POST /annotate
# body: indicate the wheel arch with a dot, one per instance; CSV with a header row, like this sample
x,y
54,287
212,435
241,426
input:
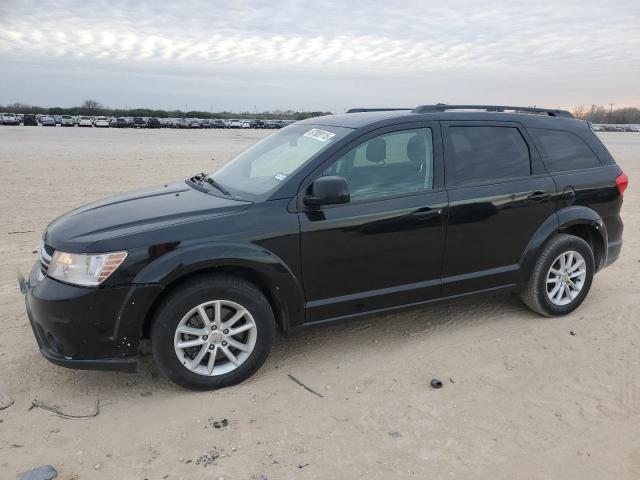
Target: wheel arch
x,y
260,267
580,221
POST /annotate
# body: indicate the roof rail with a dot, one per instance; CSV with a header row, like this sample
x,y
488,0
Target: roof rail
x,y
360,110
441,107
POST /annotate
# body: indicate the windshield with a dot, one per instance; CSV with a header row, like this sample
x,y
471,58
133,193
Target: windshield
x,y
262,167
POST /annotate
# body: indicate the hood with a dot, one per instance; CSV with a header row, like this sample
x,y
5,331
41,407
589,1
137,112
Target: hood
x,y
135,212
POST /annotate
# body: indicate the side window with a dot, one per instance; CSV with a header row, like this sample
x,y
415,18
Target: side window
x,y
477,155
563,151
391,164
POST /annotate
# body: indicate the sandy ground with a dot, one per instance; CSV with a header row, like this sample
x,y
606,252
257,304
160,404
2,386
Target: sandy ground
x,y
522,397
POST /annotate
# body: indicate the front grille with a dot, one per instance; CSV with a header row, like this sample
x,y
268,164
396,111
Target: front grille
x,y
49,249
46,254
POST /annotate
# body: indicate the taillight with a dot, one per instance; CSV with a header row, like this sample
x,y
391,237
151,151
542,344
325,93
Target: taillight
x,y
622,182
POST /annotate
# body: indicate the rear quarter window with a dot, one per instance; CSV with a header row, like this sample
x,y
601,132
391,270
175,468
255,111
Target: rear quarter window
x,y
482,155
563,151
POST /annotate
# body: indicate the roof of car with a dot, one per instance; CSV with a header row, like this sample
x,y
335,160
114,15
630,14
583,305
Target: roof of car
x,y
533,118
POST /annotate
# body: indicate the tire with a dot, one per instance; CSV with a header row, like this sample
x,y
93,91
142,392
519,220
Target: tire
x,y
180,310
539,294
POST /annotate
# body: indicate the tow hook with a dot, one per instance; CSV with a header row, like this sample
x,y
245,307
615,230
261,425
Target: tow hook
x,y
24,285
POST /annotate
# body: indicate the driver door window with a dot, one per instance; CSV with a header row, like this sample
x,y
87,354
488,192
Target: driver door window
x,y
392,164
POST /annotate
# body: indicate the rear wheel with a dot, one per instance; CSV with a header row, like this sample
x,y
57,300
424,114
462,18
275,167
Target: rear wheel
x,y
561,277
212,332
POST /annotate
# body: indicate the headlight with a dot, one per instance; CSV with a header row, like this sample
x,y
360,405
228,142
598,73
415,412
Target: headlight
x,y
86,270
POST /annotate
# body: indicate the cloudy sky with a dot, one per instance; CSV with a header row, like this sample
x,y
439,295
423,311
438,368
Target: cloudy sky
x,y
257,54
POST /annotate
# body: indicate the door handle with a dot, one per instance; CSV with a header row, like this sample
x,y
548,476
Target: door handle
x,y
568,195
539,196
425,214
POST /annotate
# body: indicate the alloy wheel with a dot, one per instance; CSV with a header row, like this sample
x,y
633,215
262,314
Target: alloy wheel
x,y
566,277
215,337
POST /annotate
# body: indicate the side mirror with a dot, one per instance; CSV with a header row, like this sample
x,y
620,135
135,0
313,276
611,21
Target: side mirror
x,y
328,191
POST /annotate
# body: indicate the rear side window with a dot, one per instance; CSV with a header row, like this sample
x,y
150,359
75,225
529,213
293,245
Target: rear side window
x,y
563,151
481,155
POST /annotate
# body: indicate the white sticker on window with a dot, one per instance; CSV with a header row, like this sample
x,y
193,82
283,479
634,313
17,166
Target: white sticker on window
x,y
279,176
319,134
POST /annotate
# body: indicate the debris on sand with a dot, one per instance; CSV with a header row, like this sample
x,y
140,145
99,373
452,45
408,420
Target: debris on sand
x,y
208,458
46,472
5,401
572,332
306,387
395,434
224,423
435,383
56,411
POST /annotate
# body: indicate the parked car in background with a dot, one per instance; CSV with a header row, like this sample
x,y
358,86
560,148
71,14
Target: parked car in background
x,y
47,121
58,119
139,122
10,119
153,123
85,122
235,123
102,122
245,124
219,124
195,123
67,121
112,122
30,120
121,122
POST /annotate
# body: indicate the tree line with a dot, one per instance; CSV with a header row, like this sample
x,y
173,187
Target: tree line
x,y
602,114
95,108
594,113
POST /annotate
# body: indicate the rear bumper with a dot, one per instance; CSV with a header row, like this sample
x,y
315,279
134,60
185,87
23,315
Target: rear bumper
x,y
613,252
614,229
87,328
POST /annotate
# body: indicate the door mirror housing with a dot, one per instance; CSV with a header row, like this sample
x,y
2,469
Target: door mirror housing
x,y
329,190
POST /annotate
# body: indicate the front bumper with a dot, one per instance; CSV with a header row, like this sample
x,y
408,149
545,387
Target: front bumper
x,y
87,328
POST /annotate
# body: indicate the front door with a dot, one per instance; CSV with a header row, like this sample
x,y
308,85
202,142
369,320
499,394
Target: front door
x,y
384,248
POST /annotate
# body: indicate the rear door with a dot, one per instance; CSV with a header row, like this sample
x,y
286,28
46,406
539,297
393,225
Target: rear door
x,y
499,194
384,248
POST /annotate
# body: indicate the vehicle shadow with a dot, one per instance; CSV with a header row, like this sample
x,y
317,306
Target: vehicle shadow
x,y
394,329
311,345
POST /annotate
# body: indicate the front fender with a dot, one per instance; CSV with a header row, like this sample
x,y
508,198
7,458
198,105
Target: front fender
x,y
283,284
562,219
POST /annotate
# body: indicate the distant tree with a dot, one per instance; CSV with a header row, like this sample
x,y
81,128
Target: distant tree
x,y
91,107
602,114
579,112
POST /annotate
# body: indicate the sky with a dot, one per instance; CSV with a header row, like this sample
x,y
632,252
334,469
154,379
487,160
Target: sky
x,y
256,55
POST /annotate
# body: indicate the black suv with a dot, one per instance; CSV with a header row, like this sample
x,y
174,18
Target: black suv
x,y
139,122
330,218
30,120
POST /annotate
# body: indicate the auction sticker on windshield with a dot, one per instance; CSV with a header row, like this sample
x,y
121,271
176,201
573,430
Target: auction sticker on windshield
x,y
319,134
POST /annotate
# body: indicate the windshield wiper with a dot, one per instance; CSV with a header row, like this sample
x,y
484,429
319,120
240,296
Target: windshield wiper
x,y
202,177
212,182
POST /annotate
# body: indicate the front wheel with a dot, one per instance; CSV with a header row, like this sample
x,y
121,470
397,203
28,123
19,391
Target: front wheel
x,y
212,332
561,277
